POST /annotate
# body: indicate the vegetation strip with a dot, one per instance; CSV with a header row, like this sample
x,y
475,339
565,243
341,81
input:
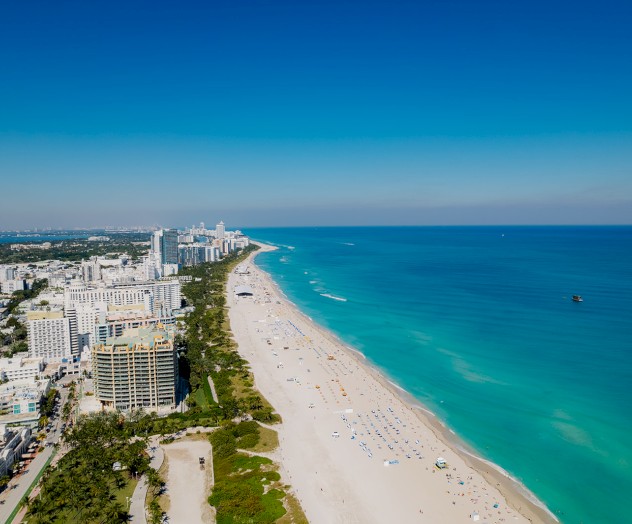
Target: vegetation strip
x,y
107,451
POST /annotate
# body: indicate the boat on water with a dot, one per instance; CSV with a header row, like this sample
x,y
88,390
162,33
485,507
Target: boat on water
x,y
577,298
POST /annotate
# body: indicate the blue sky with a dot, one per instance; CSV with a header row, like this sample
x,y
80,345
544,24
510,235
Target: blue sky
x,y
315,113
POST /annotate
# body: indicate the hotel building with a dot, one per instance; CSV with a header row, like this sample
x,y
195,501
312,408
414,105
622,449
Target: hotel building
x,y
136,370
48,335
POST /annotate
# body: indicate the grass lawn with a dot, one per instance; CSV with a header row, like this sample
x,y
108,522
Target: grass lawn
x,y
268,440
207,392
200,398
127,491
243,388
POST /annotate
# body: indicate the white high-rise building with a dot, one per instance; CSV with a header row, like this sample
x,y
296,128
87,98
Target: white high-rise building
x,y
159,297
220,230
152,267
79,293
167,296
156,241
49,336
6,273
83,318
91,270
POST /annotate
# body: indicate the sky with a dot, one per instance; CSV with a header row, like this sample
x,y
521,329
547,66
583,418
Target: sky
x,y
271,113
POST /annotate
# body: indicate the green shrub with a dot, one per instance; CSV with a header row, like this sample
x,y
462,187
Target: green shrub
x,y
248,441
249,427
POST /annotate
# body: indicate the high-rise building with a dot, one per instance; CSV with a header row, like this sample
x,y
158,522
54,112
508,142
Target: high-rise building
x,y
49,335
160,296
156,241
119,319
6,273
220,230
136,370
169,246
119,295
90,270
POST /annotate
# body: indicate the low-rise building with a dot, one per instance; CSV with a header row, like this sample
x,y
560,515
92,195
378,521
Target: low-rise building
x,y
20,400
14,442
11,286
18,368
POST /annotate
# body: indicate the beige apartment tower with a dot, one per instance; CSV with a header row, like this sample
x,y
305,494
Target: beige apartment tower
x,y
136,370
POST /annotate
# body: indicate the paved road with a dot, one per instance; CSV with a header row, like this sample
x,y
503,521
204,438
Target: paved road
x,y
137,507
18,486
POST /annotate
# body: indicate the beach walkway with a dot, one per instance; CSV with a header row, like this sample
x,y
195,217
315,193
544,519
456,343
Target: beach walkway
x,y
213,392
137,510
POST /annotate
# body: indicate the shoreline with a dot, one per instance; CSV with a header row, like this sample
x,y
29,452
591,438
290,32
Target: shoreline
x,y
516,495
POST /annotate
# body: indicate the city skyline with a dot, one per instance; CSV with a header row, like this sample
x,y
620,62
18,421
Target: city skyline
x,y
317,114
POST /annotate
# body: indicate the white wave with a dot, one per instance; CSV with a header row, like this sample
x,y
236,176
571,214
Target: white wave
x,y
333,297
397,386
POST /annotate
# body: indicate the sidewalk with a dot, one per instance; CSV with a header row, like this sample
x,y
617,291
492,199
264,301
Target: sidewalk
x,y
137,512
210,383
21,485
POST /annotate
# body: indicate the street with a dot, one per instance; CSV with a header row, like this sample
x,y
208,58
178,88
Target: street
x,y
20,484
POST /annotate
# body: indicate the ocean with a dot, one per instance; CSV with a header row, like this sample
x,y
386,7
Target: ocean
x,y
478,324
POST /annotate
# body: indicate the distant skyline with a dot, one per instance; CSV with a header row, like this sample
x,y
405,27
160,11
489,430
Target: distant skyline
x,y
315,113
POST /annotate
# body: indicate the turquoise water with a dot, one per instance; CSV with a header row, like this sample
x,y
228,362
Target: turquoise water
x,y
478,324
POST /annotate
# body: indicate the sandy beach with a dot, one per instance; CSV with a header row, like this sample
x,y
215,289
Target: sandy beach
x,y
353,447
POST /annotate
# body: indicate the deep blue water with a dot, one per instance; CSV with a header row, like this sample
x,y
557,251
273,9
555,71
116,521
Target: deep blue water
x,y
478,324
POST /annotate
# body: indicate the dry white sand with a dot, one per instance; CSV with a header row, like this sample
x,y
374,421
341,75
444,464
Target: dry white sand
x,y
381,467
187,484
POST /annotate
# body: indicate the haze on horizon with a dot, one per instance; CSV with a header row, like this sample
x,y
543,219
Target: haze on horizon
x,y
315,113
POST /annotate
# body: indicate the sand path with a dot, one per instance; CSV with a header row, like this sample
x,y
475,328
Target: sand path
x,y
188,486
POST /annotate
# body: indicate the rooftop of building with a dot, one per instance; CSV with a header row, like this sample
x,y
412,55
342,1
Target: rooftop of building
x,y
144,335
19,360
44,315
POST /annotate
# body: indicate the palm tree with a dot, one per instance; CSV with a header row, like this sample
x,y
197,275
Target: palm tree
x,y
4,480
113,513
154,481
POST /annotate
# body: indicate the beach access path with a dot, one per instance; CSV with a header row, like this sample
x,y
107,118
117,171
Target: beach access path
x,y
213,392
137,511
188,483
350,447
